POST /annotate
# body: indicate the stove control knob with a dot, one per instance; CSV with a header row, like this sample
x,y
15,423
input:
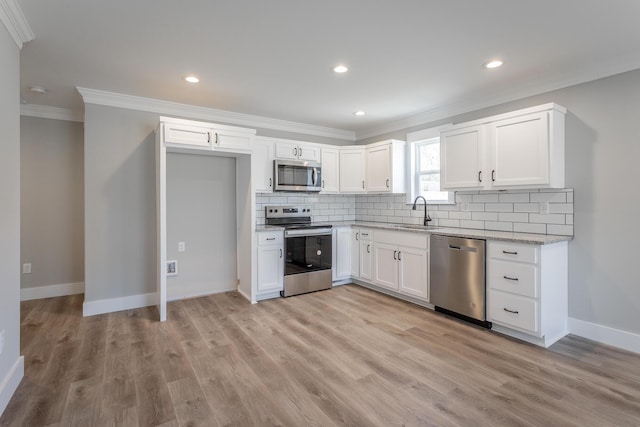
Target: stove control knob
x,y
270,210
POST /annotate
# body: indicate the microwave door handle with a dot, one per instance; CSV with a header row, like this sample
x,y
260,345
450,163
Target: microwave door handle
x,y
313,176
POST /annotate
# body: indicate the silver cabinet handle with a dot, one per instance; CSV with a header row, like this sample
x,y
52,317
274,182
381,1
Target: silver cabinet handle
x,y
280,253
515,279
510,311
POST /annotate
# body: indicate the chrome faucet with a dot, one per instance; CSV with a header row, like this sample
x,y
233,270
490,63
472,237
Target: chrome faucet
x,y
427,218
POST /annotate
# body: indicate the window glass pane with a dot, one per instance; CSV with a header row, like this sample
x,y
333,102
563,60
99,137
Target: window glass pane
x,y
429,157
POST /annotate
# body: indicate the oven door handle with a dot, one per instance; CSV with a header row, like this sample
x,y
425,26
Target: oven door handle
x,y
303,232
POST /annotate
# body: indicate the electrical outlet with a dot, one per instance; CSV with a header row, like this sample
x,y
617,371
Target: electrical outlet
x,y
172,268
544,208
1,341
26,268
181,247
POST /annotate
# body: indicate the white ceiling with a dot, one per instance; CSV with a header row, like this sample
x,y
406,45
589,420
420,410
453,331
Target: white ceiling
x,y
274,58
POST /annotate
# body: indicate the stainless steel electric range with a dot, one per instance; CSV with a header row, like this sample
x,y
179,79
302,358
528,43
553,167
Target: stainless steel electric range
x,y
308,249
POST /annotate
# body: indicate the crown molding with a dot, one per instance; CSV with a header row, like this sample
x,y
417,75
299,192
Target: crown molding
x,y
13,19
618,65
55,113
111,99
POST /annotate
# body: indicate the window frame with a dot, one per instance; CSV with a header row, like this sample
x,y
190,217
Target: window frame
x,y
414,140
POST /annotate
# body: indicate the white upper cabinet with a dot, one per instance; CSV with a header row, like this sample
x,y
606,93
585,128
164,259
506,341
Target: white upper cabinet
x,y
330,170
191,134
262,165
521,149
461,158
293,150
386,167
352,169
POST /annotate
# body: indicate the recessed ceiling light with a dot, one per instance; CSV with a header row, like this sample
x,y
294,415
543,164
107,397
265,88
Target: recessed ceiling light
x,y
38,89
340,69
495,63
192,79
360,113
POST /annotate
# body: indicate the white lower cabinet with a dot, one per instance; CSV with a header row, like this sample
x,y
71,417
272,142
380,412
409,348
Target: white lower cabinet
x,y
341,253
527,290
270,264
401,263
366,254
355,253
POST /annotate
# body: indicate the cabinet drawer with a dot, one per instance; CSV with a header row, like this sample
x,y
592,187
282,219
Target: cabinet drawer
x,y
521,279
365,234
514,311
514,252
270,237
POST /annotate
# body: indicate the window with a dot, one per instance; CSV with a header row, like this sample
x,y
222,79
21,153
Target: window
x,y
424,147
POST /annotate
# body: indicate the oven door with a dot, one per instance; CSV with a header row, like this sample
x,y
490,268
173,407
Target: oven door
x,y
297,176
307,253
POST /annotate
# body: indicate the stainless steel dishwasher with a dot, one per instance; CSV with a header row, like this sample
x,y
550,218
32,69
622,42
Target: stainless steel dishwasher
x,y
457,278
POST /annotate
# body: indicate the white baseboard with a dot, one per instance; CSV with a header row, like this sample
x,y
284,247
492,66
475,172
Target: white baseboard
x,y
247,297
10,383
622,339
197,294
51,291
91,308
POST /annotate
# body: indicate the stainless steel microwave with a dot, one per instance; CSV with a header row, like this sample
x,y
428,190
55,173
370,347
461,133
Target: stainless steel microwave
x,y
297,175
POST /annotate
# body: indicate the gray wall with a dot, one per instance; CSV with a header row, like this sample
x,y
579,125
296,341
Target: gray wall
x,y
51,201
602,152
201,211
10,206
120,210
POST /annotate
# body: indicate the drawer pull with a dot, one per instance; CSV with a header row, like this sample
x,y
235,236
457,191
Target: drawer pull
x,y
510,311
271,238
515,279
510,253
365,234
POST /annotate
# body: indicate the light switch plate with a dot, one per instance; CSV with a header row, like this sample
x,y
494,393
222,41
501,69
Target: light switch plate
x,y
26,268
181,246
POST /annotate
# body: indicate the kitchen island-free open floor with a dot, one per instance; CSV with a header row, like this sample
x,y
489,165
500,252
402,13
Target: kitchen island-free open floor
x,y
346,356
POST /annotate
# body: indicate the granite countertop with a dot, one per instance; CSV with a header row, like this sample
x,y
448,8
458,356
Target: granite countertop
x,y
538,239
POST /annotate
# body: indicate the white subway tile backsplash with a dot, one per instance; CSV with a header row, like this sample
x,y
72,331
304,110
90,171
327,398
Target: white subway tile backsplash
x,y
547,219
498,207
521,227
549,197
485,216
514,210
563,230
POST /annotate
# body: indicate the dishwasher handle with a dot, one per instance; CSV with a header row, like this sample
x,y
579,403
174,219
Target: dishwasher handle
x,y
463,248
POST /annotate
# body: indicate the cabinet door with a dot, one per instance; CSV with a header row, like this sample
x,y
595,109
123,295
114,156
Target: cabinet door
x,y
187,135
379,169
287,151
231,141
342,265
520,150
386,265
308,153
366,260
352,169
461,158
355,252
270,268
413,277
262,166
330,159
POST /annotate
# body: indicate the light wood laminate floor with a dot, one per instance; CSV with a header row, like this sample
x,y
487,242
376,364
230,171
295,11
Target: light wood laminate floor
x,y
346,356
